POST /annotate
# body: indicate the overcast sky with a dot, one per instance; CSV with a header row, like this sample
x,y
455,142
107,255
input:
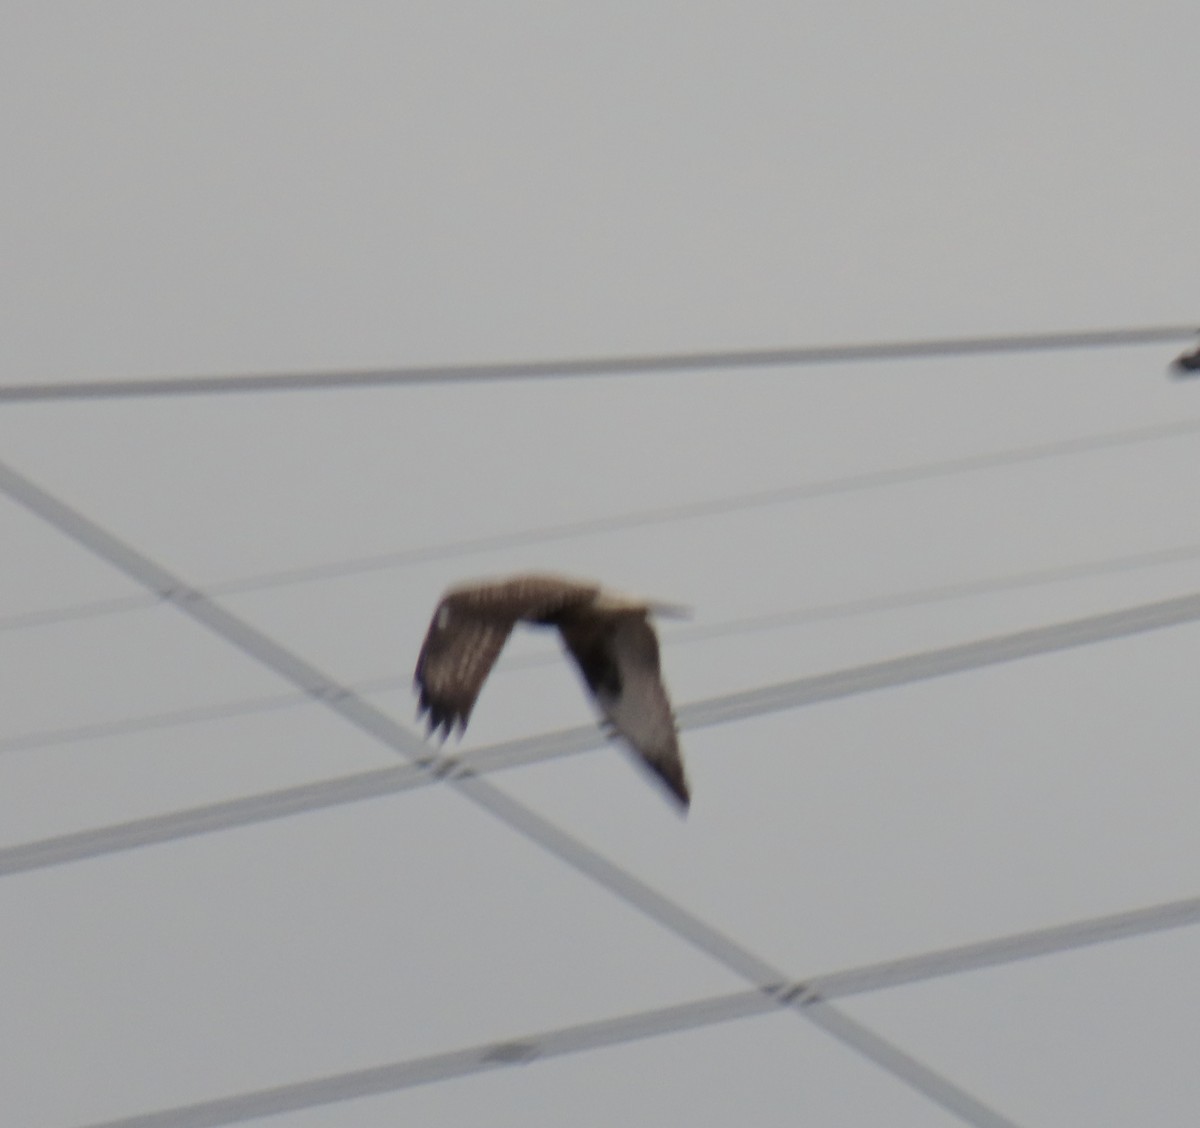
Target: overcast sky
x,y
225,189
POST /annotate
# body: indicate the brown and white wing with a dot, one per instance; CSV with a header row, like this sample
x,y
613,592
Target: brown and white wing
x,y
459,652
529,596
621,667
467,633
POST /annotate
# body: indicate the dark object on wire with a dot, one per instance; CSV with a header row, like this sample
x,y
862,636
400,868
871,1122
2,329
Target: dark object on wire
x,y
1189,362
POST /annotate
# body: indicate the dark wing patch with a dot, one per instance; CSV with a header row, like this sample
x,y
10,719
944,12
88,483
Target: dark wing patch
x,y
634,701
589,643
459,652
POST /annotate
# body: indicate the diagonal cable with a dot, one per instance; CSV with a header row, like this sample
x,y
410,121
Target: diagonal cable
x,y
718,506
586,1036
671,637
733,359
704,937
395,1077
378,1080
527,822
639,518
888,674
195,604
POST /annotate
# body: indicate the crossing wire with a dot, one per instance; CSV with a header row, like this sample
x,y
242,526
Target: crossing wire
x,y
797,692
810,995
549,534
716,507
729,360
516,815
672,637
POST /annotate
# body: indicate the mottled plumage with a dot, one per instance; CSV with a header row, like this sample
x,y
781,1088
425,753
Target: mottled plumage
x,y
609,637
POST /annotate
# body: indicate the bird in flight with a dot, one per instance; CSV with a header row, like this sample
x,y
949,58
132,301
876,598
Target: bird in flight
x,y
609,636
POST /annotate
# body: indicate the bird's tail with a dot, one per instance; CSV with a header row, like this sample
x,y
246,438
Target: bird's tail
x,y
669,610
615,602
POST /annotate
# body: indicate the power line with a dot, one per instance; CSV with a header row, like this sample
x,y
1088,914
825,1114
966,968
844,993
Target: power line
x,y
922,597
73,612
446,1066
582,1037
891,673
571,530
485,795
734,359
248,810
702,936
948,660
1005,949
195,604
148,722
673,636
715,507
887,1055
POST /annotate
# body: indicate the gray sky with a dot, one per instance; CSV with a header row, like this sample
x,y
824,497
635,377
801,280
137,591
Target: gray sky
x,y
236,188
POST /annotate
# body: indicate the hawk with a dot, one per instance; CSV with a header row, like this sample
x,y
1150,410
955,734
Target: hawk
x,y
609,636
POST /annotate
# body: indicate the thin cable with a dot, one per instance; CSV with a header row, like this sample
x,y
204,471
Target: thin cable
x,y
1008,949
672,637
603,366
195,604
393,1078
548,534
91,609
891,673
149,722
485,795
249,810
698,934
711,507
586,1036
888,1056
948,660
927,596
